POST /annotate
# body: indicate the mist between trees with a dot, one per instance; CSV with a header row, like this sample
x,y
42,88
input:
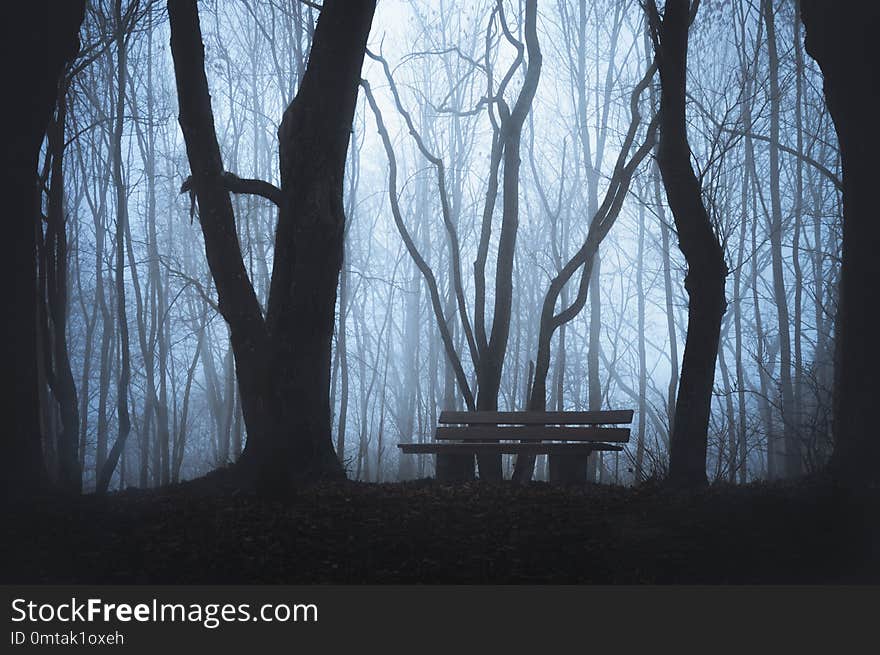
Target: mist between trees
x,y
508,241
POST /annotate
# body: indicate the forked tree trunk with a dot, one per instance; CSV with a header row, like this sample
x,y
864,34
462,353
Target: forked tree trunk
x,y
282,362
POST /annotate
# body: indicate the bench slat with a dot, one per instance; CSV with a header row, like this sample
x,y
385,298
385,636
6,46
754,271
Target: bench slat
x,y
534,433
505,448
621,416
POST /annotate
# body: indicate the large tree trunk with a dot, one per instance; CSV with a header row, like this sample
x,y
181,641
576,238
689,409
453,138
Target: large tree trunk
x,y
283,363
841,39
699,244
313,142
44,37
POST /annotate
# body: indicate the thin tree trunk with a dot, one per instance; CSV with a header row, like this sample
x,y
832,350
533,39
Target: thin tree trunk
x,y
792,457
730,417
123,420
797,383
699,244
643,366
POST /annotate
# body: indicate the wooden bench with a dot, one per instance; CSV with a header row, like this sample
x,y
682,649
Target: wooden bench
x,y
567,438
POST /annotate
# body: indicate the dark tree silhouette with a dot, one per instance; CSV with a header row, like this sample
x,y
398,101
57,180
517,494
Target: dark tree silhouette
x,y
53,283
44,38
841,40
698,242
493,347
283,359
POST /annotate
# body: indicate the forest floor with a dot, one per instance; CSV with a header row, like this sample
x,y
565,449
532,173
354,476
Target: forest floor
x,y
807,531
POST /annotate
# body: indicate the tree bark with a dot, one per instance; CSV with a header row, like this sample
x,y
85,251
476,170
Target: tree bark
x,y
313,142
840,39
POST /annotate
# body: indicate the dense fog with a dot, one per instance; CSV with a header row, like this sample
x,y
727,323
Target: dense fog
x,y
433,252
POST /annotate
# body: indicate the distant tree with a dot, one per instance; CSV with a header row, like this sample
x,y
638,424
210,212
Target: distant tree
x,y
792,458
283,359
698,242
43,39
122,22
841,38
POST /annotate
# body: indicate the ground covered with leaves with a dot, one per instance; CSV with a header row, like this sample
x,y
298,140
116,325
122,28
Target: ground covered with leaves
x,y
808,531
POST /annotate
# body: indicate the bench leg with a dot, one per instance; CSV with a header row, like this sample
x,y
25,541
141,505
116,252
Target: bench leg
x,y
455,468
568,469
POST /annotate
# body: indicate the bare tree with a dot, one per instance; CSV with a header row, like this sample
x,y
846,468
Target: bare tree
x,y
282,360
698,242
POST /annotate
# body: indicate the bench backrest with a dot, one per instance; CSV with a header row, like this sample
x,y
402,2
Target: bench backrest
x,y
611,417
534,426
